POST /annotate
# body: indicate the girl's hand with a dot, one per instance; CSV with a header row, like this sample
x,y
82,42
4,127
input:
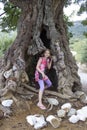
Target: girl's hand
x,y
43,75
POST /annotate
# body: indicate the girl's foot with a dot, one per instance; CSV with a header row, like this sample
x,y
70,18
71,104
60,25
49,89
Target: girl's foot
x,y
41,106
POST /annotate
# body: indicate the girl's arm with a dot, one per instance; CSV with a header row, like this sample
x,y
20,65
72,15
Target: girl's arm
x,y
38,66
49,63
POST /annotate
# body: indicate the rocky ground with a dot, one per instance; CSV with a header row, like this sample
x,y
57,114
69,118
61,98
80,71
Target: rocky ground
x,y
23,107
17,120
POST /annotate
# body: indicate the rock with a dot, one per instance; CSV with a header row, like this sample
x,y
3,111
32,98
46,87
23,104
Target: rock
x,y
8,73
52,101
83,99
66,107
71,112
61,113
54,121
74,119
7,103
38,121
78,94
82,113
31,120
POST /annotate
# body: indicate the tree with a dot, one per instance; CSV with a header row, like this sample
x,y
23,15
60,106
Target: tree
x,y
41,25
83,8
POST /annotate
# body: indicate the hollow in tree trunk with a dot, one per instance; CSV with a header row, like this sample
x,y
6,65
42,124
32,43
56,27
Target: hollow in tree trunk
x,y
41,25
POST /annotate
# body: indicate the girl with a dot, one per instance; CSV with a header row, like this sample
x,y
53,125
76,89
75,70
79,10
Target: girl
x,y
43,63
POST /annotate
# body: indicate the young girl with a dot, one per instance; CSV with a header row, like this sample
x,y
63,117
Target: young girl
x,y
43,63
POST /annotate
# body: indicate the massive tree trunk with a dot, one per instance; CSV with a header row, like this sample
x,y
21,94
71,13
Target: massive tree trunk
x,y
41,25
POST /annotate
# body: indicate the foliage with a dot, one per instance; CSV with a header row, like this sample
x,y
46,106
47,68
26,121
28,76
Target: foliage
x,y
9,21
85,34
81,48
78,42
6,40
84,22
68,25
68,2
77,30
12,13
83,7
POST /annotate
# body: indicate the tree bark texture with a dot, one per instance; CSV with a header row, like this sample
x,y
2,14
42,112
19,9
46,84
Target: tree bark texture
x,y
41,25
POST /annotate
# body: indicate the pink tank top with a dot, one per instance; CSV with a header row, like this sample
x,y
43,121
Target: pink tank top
x,y
43,66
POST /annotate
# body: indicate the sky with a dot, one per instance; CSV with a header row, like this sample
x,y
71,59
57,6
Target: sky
x,y
72,9
1,8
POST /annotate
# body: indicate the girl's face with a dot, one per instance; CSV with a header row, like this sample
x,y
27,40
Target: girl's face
x,y
47,53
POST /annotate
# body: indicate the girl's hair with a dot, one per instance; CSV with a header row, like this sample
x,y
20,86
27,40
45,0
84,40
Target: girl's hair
x,y
42,54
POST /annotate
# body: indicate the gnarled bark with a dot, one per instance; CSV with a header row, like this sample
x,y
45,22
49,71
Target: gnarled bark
x,y
41,26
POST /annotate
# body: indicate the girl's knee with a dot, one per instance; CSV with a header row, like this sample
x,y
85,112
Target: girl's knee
x,y
42,89
50,84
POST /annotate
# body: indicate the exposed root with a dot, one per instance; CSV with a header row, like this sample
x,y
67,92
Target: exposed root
x,y
10,86
63,96
50,107
7,112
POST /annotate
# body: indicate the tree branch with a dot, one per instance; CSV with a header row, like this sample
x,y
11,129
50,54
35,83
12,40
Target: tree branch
x,y
2,13
7,11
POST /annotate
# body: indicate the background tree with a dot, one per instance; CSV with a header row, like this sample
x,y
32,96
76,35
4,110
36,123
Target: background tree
x,y
79,42
83,8
41,25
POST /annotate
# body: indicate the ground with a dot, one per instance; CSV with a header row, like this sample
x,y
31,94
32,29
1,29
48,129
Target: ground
x,y
17,120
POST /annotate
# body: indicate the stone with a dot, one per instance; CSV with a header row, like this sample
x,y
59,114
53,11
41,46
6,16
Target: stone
x,y
54,121
74,119
78,94
66,107
7,103
61,113
71,112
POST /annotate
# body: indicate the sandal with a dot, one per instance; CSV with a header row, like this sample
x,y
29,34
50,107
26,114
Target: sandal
x,y
41,106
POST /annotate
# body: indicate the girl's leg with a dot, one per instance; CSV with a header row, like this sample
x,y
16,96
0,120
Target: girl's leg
x,y
48,83
41,90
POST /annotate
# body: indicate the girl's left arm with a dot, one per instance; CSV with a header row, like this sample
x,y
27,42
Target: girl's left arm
x,y
49,63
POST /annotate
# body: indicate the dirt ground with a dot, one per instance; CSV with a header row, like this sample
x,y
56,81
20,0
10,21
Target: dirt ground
x,y
23,108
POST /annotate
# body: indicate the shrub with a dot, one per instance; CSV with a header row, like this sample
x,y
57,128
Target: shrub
x,y
6,40
81,48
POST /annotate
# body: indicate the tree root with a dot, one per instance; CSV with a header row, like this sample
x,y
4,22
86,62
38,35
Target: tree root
x,y
7,112
3,91
63,96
